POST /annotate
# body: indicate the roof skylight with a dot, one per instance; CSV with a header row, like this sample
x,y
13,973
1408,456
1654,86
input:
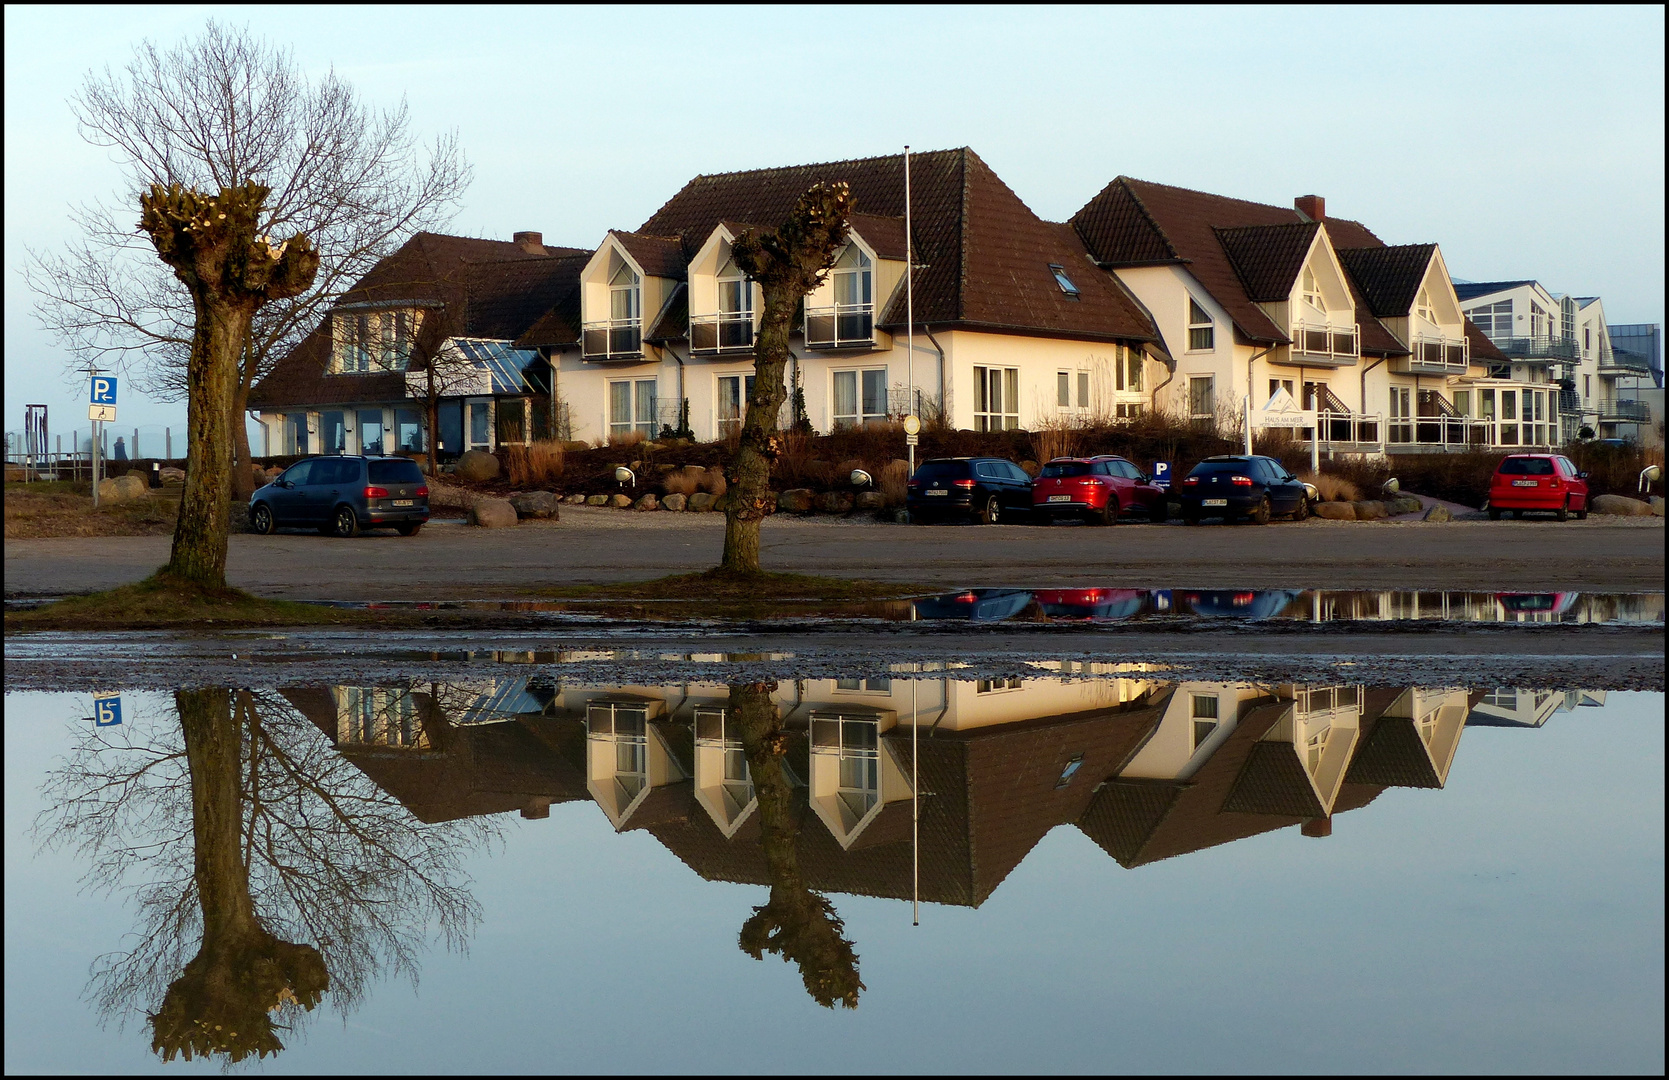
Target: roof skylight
x,y
1063,281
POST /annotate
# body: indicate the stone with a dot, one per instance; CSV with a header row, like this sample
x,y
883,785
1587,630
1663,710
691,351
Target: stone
x,y
171,475
477,465
834,502
574,500
1335,511
795,501
870,501
1439,513
1031,468
536,504
1406,504
674,502
701,502
901,516
1369,510
1657,505
597,500
121,489
647,502
1620,506
492,513
620,500
721,503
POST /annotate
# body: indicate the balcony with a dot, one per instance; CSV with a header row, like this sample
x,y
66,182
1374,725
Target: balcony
x,y
1435,356
1623,362
1539,348
612,339
1323,346
726,332
1347,428
1625,411
842,326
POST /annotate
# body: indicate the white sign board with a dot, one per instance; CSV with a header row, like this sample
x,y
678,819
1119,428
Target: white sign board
x,y
105,413
1282,411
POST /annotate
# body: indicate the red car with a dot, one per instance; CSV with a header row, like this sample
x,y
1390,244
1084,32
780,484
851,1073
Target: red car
x,y
1097,489
1538,482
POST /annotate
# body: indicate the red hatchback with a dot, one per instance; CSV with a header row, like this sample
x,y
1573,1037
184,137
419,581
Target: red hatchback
x,y
1097,489
1538,482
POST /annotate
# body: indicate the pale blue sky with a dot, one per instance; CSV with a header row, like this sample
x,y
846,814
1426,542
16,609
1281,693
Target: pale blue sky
x,y
1527,141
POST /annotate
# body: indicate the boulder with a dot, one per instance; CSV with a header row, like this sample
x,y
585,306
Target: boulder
x,y
1406,504
122,489
620,500
701,502
492,513
901,516
1369,510
870,501
647,502
171,475
1439,513
795,501
536,504
1335,511
674,502
721,503
1657,505
834,502
574,500
476,465
597,500
1619,505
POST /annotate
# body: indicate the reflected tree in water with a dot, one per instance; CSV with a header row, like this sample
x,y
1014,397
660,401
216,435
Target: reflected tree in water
x,y
242,833
796,924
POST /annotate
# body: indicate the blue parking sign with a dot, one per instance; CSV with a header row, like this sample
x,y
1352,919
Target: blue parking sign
x,y
102,390
1162,474
107,709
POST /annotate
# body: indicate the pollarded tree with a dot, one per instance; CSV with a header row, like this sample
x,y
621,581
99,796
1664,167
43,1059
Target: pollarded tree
x,y
788,263
230,270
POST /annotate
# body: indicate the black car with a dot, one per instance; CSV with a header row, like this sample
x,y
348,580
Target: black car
x,y
990,489
1240,485
342,494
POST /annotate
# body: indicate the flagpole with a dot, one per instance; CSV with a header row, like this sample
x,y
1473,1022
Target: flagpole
x,y
909,303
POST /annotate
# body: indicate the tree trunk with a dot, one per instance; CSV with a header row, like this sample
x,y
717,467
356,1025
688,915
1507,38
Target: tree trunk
x,y
200,536
749,473
243,476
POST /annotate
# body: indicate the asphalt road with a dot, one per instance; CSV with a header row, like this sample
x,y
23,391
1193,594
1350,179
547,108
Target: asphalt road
x,y
590,545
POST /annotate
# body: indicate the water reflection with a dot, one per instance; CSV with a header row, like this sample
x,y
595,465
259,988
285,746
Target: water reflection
x,y
268,870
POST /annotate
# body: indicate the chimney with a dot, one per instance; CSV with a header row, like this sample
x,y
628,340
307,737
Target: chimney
x,y
530,242
537,808
1313,207
1320,826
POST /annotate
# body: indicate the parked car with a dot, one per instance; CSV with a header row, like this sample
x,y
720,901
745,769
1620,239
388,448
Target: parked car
x,y
1238,485
1098,489
341,494
1091,603
1538,482
977,605
989,489
1237,603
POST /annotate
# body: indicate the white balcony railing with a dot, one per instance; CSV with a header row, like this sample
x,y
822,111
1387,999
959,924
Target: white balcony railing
x,y
1435,356
1346,427
612,339
840,326
729,331
1333,345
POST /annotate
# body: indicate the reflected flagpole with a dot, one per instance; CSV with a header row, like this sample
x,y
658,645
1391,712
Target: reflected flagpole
x,y
915,799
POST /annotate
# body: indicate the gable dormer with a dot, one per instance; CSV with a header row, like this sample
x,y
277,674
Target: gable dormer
x,y
1408,289
841,313
629,278
724,303
1293,275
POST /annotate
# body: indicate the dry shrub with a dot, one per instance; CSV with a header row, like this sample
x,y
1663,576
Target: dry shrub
x,y
539,463
625,438
1332,488
685,481
713,482
894,481
1055,439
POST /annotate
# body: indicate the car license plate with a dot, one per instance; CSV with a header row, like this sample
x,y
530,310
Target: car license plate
x,y
1214,502
937,491
1060,498
402,502
1524,483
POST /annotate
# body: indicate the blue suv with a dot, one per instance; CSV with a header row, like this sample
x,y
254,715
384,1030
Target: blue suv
x,y
342,494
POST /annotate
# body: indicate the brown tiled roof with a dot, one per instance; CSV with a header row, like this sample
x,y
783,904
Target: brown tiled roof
x,y
503,299
1393,755
1268,257
1273,781
1483,349
984,255
1389,277
659,256
884,234
673,320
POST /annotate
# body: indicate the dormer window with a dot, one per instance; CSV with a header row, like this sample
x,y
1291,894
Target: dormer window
x,y
1312,291
1201,330
369,342
625,294
621,334
1063,281
851,321
1423,307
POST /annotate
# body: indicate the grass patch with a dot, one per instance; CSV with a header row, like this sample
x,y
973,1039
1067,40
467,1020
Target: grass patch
x,y
62,508
720,586
162,602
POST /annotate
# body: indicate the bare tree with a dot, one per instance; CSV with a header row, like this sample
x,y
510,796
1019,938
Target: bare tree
x,y
787,263
223,111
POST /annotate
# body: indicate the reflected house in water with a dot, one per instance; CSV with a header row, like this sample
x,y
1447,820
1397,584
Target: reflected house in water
x,y
1147,769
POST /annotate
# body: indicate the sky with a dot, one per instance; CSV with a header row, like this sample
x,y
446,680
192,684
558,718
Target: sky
x,y
1527,141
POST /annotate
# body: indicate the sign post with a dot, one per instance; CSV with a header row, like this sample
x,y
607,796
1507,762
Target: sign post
x,y
1282,411
107,710
101,409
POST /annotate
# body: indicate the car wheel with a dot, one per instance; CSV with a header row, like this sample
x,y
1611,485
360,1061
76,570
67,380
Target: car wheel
x,y
1494,514
1518,515
993,512
1303,510
260,520
1190,519
345,524
1159,511
1260,516
1563,513
410,530
1582,514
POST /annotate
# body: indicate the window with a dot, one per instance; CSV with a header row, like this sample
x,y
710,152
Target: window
x,y
870,686
625,297
1202,400
857,741
1587,340
1129,373
370,431
855,409
851,321
631,407
1587,386
1072,766
396,335
295,433
408,429
372,342
1312,291
1203,706
480,425
1063,281
1463,402
992,686
735,322
996,399
335,431
1495,320
1538,320
1423,307
1277,385
734,391
1065,382
1201,332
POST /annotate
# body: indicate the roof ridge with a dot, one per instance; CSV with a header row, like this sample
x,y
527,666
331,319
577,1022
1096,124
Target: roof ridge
x,y
1219,229
962,244
823,164
1211,195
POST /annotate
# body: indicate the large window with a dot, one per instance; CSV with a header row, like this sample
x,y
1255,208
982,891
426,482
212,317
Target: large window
x,y
1538,320
734,391
857,742
1128,375
480,425
370,431
996,398
859,397
854,279
408,429
625,297
371,341
631,407
1202,334
1066,382
1202,401
1402,415
1495,320
295,433
851,321
1312,291
334,427
1423,306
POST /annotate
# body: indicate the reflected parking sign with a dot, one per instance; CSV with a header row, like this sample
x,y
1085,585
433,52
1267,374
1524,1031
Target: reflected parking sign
x,y
107,709
1162,474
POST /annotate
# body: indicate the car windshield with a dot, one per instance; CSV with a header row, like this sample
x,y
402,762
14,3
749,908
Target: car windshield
x,y
1206,468
1527,466
395,472
1066,468
942,470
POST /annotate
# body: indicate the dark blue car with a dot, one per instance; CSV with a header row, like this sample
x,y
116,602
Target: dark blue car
x,y
342,494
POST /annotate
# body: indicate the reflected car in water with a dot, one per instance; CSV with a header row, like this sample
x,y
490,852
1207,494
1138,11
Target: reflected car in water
x,y
1091,603
979,605
1537,603
1548,482
1235,603
1097,489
